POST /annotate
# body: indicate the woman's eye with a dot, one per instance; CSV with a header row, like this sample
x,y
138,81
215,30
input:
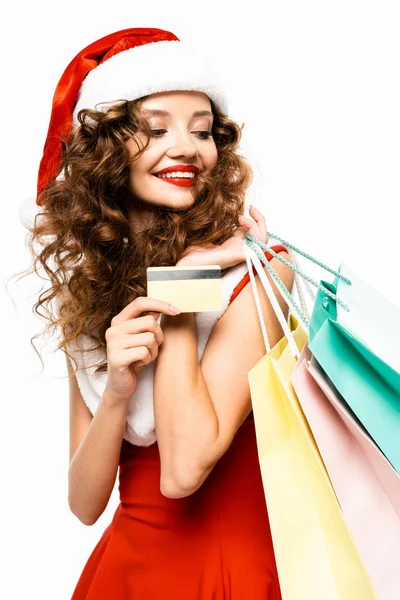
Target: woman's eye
x,y
202,134
157,132
205,134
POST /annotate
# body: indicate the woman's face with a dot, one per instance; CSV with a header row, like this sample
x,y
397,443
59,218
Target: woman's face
x,y
181,124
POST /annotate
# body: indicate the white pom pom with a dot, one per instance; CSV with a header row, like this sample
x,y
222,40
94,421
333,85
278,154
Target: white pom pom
x,y
27,211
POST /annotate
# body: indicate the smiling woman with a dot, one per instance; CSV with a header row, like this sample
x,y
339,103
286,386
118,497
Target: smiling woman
x,y
151,177
182,129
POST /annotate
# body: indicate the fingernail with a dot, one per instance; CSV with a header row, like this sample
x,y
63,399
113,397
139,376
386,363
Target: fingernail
x,y
174,309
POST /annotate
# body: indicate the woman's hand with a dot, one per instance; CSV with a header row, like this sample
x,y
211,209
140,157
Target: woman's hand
x,y
132,342
231,252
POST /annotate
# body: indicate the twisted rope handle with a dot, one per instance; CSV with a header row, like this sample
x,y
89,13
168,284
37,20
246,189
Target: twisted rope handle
x,y
252,257
309,257
281,286
254,243
247,253
298,278
299,287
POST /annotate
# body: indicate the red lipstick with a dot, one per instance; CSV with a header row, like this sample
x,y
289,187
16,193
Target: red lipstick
x,y
180,181
185,168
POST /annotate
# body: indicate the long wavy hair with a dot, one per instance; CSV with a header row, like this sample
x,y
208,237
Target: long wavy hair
x,y
94,261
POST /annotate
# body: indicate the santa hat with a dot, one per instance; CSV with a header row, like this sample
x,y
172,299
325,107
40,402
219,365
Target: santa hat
x,y
125,65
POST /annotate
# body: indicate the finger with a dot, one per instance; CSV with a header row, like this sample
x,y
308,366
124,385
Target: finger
x,y
185,262
256,212
245,221
254,228
261,221
257,215
140,325
139,306
152,347
240,231
141,340
151,313
153,350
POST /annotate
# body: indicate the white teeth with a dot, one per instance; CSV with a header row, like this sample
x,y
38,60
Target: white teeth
x,y
176,174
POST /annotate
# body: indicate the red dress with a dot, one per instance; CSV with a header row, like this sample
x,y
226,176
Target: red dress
x,y
212,545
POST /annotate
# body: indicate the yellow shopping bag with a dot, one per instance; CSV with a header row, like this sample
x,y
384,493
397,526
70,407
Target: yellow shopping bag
x,y
315,554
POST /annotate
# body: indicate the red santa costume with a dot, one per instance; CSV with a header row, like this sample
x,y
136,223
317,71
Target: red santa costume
x,y
216,543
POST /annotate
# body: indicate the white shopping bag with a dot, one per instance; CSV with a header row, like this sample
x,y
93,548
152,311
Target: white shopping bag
x,y
367,305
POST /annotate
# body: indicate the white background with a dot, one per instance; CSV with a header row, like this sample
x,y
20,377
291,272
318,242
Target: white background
x,y
316,84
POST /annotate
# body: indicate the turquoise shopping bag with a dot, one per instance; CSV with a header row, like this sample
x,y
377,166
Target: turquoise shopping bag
x,y
369,385
354,334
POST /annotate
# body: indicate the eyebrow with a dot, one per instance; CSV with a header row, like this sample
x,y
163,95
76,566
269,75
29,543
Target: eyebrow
x,y
165,113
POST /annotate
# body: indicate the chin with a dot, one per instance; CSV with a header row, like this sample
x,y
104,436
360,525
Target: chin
x,y
176,203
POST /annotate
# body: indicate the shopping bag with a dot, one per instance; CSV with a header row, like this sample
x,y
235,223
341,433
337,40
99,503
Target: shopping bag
x,y
355,336
367,381
315,553
366,485
368,306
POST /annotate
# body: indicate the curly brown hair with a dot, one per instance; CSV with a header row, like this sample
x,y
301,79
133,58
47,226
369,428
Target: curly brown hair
x,y
95,263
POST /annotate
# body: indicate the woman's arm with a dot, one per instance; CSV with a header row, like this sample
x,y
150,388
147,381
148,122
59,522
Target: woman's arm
x,y
95,445
199,407
185,418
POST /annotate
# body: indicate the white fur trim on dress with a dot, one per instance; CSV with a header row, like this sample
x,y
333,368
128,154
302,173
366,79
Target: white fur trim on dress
x,y
143,70
140,425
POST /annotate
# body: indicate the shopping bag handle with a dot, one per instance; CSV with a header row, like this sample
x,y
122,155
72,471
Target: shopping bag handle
x,y
308,256
255,244
281,286
299,282
252,258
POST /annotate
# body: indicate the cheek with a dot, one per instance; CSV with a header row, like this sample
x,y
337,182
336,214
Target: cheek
x,y
148,159
144,164
210,156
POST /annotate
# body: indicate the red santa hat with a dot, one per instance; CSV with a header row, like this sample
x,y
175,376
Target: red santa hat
x,y
125,65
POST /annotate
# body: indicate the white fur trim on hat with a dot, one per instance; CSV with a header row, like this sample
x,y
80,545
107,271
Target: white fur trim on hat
x,y
147,69
27,211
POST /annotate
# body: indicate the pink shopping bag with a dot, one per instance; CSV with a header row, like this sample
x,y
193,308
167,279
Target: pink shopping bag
x,y
365,483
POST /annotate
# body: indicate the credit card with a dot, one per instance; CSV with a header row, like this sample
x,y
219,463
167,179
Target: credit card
x,y
192,289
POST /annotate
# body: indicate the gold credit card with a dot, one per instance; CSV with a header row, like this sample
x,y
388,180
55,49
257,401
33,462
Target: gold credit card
x,y
192,289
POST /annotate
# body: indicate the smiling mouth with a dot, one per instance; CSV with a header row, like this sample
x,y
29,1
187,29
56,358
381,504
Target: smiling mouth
x,y
179,178
176,175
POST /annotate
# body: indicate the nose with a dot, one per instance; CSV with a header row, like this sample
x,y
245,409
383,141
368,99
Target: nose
x,y
183,144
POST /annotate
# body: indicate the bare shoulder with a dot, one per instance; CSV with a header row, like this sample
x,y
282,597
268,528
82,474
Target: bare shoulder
x,y
242,314
243,309
235,345
80,416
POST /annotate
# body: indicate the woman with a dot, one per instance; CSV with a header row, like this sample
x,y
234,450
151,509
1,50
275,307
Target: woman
x,y
151,177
